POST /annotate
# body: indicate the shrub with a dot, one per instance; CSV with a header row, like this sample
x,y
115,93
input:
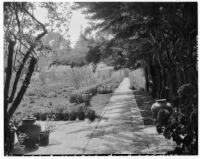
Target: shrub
x,y
76,96
182,125
81,75
37,115
104,89
43,116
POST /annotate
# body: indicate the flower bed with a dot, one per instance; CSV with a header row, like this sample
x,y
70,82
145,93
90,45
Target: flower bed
x,y
76,96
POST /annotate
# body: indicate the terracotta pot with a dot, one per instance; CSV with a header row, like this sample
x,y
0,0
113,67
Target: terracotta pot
x,y
158,105
163,116
65,116
80,114
91,115
72,115
59,116
100,89
86,97
109,89
31,129
44,138
18,150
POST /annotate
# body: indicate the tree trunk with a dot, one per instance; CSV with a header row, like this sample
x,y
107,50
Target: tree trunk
x,y
25,85
7,136
152,70
146,74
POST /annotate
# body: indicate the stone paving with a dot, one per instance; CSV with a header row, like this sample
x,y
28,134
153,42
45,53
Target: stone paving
x,y
119,131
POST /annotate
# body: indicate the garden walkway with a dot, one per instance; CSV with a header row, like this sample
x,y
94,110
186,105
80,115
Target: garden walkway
x,y
119,131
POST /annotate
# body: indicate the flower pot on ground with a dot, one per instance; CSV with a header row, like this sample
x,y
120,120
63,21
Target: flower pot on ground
x,y
50,116
18,149
80,113
29,132
91,114
44,138
44,135
65,116
72,115
59,116
158,105
86,97
59,113
108,89
163,116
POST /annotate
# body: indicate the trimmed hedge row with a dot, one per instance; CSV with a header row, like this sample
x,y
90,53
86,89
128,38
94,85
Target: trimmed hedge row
x,y
76,96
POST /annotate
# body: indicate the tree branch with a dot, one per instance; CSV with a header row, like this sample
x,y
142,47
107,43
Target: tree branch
x,y
23,88
26,57
8,72
43,27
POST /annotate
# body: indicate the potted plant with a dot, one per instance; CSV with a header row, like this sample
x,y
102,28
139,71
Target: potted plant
x,y
80,113
44,135
86,97
91,114
65,115
18,149
29,128
59,113
72,115
158,105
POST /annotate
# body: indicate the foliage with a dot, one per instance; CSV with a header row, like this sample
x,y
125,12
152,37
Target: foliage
x,y
74,57
50,127
82,76
23,33
181,126
161,38
76,96
90,114
157,36
22,137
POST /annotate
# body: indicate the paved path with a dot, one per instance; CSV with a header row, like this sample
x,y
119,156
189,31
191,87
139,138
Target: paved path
x,y
120,131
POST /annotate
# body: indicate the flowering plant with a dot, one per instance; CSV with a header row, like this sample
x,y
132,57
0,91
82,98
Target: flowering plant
x,y
50,127
22,137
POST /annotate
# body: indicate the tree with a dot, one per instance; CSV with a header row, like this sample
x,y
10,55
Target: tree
x,y
75,56
22,40
160,37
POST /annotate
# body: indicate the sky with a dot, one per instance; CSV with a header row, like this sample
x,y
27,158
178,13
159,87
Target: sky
x,y
78,23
